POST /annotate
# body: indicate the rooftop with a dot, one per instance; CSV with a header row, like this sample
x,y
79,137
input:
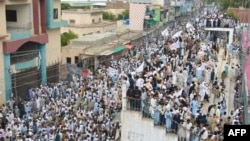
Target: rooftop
x,y
100,24
96,37
99,42
83,11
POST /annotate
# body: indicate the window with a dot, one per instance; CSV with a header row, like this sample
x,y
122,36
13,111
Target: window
x,y
76,59
71,21
93,20
55,13
11,16
68,60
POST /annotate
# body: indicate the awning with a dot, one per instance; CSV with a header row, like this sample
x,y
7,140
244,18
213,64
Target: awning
x,y
106,53
118,49
128,46
151,22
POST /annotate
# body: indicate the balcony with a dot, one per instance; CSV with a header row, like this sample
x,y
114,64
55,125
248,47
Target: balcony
x,y
18,21
18,32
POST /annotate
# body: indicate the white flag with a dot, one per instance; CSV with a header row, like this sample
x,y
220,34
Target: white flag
x,y
140,68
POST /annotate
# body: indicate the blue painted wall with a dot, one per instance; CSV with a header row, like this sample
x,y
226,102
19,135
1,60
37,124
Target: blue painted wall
x,y
7,77
42,49
20,35
26,65
51,23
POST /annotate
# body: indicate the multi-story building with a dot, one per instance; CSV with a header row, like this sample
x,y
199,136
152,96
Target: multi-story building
x,y
29,45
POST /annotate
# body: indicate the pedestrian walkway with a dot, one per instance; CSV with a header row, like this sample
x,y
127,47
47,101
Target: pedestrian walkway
x,y
229,95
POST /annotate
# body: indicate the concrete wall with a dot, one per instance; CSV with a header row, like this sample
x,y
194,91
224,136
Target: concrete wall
x,y
2,32
117,5
81,18
23,15
53,47
2,82
88,29
2,19
158,2
57,5
136,128
70,52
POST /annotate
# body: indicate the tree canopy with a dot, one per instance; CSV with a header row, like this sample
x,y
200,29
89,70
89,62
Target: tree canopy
x,y
65,6
124,14
67,36
225,4
108,16
111,16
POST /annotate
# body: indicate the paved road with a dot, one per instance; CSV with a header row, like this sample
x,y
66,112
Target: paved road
x,y
229,95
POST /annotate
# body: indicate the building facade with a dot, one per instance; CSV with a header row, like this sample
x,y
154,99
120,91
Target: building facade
x,y
84,22
29,45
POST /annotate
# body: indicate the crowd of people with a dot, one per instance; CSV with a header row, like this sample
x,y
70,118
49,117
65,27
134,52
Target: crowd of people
x,y
212,17
175,84
168,85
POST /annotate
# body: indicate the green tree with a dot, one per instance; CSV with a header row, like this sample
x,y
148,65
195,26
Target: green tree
x,y
86,7
112,16
65,6
231,14
124,13
105,15
81,7
108,16
67,36
225,4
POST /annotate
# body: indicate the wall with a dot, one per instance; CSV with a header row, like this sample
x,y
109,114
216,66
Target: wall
x,y
88,29
53,47
23,15
158,2
2,82
2,19
14,2
81,18
117,5
134,128
70,52
57,4
75,16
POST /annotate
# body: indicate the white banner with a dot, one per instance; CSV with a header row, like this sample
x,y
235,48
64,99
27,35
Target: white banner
x,y
174,46
140,68
112,71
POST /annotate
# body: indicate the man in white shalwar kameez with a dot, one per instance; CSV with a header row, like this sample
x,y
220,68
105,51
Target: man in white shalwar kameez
x,y
174,77
188,126
207,75
204,135
202,91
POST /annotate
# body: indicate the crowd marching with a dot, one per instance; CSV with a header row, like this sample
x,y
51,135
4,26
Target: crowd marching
x,y
170,84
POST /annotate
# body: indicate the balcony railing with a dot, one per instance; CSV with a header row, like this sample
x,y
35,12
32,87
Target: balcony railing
x,y
18,28
20,31
23,56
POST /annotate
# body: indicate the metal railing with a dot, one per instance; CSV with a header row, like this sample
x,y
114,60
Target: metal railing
x,y
23,56
158,117
244,99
